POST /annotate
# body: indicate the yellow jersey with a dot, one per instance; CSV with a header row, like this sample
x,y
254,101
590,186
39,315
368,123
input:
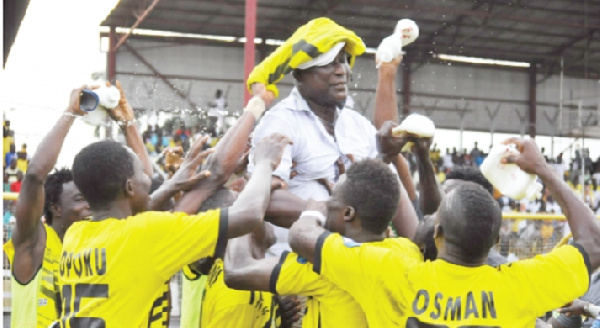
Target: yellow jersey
x,y
37,303
394,290
224,307
327,305
113,271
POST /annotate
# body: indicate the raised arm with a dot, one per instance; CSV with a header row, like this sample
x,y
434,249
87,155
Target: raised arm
x,y
249,208
386,100
223,162
123,113
29,232
583,223
430,194
406,221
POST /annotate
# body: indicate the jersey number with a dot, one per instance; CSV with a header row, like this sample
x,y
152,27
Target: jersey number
x,y
81,291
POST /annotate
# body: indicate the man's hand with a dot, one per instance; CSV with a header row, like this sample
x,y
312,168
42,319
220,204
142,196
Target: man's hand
x,y
123,112
389,68
271,149
388,145
530,158
421,146
575,309
73,107
259,89
289,307
186,177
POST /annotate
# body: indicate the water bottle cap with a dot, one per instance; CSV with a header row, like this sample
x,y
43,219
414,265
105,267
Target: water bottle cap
x,y
88,100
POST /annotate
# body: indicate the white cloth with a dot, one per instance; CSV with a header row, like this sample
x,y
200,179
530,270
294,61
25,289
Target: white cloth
x,y
218,111
313,150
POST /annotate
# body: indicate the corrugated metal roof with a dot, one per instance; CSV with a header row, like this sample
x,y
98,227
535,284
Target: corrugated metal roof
x,y
538,31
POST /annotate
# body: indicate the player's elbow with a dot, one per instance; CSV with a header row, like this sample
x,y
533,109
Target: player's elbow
x,y
231,277
295,236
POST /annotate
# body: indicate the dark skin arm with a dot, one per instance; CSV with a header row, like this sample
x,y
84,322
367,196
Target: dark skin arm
x,y
242,270
386,100
303,237
184,179
430,192
124,113
29,235
404,173
406,221
249,208
284,208
583,223
221,164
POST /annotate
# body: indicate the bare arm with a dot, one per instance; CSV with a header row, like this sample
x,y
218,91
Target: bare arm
x,y
28,234
304,235
249,208
430,195
242,271
404,174
582,221
284,208
221,164
386,100
405,221
123,113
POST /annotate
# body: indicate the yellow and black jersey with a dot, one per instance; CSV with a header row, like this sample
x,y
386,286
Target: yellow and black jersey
x,y
327,305
36,303
230,308
113,272
396,291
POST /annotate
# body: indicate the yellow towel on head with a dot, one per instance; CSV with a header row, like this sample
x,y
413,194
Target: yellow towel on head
x,y
309,41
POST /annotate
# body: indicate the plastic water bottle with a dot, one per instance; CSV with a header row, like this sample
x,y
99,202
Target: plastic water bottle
x,y
509,179
97,102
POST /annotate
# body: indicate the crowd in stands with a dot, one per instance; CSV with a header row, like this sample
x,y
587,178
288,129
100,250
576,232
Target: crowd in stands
x,y
305,213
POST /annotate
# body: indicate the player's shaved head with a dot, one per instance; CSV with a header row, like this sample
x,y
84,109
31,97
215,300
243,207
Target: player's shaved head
x,y
470,219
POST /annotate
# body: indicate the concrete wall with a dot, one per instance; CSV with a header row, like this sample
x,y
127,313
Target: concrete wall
x,y
437,89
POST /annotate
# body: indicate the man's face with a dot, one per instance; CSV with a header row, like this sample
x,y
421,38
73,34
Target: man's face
x,y
327,85
336,209
73,206
141,184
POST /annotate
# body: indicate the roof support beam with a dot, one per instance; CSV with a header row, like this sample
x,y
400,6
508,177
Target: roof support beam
x,y
140,18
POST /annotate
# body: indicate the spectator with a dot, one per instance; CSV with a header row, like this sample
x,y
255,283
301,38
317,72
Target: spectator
x,y
23,159
7,138
10,155
12,170
448,164
217,111
16,186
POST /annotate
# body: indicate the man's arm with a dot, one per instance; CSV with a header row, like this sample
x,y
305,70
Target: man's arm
x,y
249,208
304,236
30,204
123,113
430,194
242,271
284,208
223,162
386,100
582,221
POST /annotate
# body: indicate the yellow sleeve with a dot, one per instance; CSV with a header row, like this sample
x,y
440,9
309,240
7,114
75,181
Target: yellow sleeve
x,y
9,250
177,239
293,275
551,280
190,274
355,267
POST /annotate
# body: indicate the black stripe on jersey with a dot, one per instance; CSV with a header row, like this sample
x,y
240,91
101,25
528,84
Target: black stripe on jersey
x,y
251,297
156,304
222,238
318,251
586,258
275,273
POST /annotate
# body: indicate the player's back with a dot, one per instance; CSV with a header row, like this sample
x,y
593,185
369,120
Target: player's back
x,y
111,271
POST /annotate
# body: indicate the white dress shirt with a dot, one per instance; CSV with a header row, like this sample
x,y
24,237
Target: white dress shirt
x,y
314,150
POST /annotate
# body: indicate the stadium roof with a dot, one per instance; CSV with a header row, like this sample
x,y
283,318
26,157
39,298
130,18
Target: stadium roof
x,y
539,31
